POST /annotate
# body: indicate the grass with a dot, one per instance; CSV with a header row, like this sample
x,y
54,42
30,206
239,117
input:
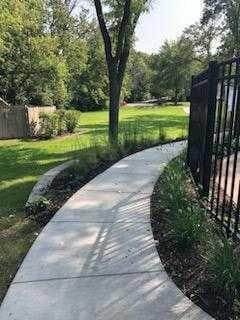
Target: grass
x,y
185,217
22,161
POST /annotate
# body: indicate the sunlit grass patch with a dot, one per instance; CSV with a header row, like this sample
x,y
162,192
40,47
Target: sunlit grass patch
x,y
23,161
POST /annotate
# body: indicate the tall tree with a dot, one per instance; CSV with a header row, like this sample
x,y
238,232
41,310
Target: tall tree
x,y
202,36
139,74
174,66
227,13
117,26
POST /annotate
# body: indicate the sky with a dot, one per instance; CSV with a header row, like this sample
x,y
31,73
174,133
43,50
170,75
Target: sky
x,y
165,21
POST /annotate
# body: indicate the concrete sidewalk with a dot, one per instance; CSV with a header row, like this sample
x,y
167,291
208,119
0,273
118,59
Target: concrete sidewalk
x,y
97,259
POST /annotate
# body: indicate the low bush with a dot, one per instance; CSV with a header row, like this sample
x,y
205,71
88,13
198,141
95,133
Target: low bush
x,y
71,120
39,205
49,124
40,211
61,126
59,122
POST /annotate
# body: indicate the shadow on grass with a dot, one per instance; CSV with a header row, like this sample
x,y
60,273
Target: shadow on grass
x,y
146,123
21,165
19,174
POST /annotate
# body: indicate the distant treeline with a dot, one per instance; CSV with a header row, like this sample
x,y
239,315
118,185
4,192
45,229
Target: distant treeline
x,y
51,53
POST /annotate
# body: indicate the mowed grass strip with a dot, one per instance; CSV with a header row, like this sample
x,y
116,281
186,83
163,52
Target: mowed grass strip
x,y
23,161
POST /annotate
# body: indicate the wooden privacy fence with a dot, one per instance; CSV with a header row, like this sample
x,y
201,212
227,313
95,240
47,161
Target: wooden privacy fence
x,y
213,146
20,121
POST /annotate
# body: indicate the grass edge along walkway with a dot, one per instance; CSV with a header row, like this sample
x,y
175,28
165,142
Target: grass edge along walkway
x,y
102,260
21,162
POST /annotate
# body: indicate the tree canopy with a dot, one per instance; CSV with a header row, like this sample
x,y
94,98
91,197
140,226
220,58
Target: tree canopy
x,y
226,13
46,54
174,66
55,52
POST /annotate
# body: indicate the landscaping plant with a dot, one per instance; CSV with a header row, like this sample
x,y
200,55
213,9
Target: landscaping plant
x,y
184,217
49,124
200,259
71,118
61,113
223,259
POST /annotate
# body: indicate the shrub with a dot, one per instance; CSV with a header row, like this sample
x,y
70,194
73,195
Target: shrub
x,y
71,120
41,204
41,210
49,124
61,126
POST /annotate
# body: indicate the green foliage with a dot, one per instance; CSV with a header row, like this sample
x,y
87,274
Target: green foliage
x,y
202,37
194,233
162,134
31,69
186,227
39,205
53,124
173,67
48,55
139,74
51,56
49,124
71,118
225,13
114,15
61,125
184,216
88,92
223,261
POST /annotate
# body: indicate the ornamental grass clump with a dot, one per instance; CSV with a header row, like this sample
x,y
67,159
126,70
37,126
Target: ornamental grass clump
x,y
162,134
184,217
186,227
223,260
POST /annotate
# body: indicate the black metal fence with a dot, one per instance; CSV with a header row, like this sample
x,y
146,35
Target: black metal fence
x,y
213,146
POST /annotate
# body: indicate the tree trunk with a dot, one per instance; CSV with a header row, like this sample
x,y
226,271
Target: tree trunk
x,y
114,95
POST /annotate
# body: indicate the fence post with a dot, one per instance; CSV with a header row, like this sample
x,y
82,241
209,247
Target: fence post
x,y
210,126
190,127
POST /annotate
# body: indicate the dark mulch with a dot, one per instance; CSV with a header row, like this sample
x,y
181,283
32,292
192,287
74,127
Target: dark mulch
x,y
188,271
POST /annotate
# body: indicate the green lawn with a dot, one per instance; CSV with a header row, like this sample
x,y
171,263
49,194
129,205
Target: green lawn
x,y
23,161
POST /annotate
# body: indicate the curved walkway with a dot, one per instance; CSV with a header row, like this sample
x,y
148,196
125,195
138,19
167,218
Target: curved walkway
x,y
96,259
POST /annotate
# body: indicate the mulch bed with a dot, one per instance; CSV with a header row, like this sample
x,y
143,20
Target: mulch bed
x,y
188,271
